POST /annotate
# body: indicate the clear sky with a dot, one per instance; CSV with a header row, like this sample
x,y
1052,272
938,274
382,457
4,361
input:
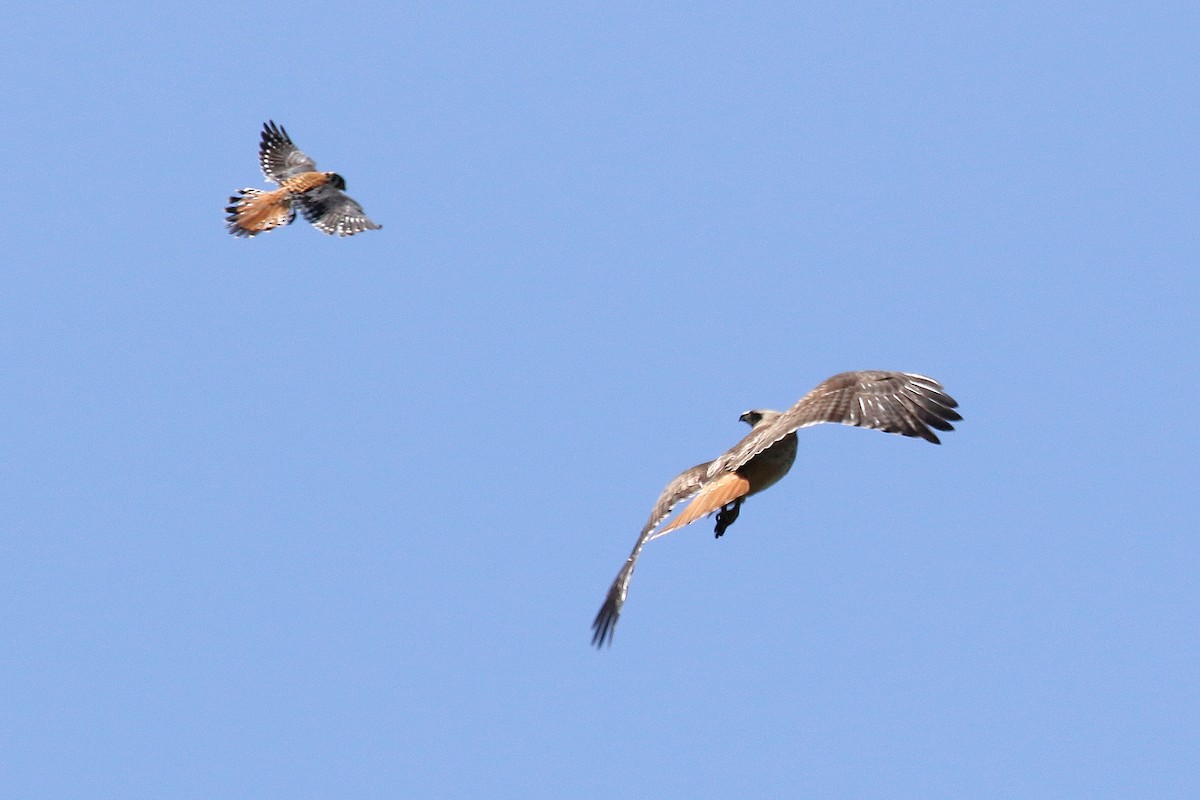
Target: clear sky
x,y
313,517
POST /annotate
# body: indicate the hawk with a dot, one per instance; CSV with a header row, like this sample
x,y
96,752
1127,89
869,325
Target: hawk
x,y
892,402
319,195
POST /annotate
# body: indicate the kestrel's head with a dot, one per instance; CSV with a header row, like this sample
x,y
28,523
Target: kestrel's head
x,y
337,181
758,416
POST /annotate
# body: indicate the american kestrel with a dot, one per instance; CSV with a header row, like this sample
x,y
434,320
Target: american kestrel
x,y
892,402
319,195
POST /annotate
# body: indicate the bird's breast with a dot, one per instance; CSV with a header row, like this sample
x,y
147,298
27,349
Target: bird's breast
x,y
766,468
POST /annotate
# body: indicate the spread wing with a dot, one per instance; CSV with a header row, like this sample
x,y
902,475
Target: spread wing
x,y
333,211
279,158
684,486
892,402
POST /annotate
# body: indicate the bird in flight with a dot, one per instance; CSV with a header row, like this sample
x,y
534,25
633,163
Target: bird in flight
x,y
892,402
319,195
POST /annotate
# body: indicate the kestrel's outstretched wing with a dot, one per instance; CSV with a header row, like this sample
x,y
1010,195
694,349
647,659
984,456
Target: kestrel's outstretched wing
x,y
893,402
333,211
279,158
684,486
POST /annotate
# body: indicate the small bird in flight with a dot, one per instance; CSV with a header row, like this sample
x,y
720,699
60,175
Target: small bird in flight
x,y
892,402
318,194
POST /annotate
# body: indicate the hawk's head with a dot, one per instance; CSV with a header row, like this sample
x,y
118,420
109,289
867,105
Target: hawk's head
x,y
758,416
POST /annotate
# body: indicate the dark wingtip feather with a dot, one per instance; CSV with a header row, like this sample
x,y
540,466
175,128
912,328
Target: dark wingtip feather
x,y
605,623
273,133
940,423
606,618
931,407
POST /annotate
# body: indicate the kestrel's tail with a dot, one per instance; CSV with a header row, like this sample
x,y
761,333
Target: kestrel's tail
x,y
252,211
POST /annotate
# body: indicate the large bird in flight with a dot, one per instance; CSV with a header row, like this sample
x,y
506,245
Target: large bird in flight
x,y
892,402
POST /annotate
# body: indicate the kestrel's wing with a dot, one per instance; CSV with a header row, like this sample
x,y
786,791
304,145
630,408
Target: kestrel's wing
x,y
333,211
893,402
686,485
279,158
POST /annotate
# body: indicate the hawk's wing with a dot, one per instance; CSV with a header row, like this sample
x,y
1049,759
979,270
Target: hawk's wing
x,y
279,158
333,211
893,402
684,486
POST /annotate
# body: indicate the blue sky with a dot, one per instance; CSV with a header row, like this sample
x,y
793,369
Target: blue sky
x,y
313,517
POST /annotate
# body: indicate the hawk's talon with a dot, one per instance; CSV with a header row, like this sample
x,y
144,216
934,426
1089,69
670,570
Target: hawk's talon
x,y
727,516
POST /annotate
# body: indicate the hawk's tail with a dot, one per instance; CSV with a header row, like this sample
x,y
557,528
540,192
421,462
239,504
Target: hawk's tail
x,y
252,211
721,492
